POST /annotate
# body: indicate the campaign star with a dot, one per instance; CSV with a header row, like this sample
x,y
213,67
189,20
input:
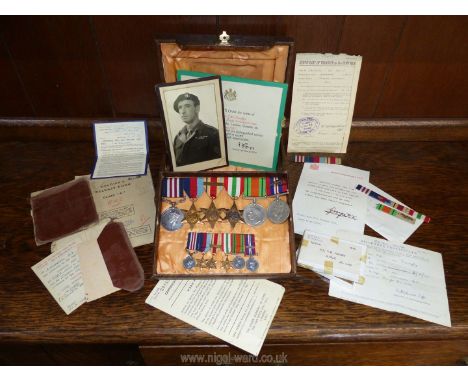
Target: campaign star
x,y
211,214
201,263
211,263
226,264
191,216
233,215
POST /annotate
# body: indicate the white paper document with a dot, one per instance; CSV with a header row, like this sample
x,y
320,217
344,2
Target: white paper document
x,y
90,233
332,255
390,227
323,99
399,278
239,312
253,112
121,149
325,202
129,201
61,275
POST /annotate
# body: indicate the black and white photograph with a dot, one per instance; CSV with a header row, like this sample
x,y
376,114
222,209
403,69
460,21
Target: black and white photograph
x,y
193,119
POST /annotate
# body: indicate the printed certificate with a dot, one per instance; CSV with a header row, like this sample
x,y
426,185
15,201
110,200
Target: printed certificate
x,y
322,105
253,112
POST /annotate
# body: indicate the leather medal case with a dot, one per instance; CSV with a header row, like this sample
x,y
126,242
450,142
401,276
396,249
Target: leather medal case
x,y
268,59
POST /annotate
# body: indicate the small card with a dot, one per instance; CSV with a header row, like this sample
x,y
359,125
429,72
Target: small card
x,y
237,311
61,274
332,255
392,224
253,112
121,149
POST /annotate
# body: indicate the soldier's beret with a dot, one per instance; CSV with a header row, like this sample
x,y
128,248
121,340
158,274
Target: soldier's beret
x,y
186,97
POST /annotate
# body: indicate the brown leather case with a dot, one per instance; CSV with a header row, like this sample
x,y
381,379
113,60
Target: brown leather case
x,y
256,57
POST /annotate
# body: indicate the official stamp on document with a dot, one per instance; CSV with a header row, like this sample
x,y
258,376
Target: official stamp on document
x,y
307,125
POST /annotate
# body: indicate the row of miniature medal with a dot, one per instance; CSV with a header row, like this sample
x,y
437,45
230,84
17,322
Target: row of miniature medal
x,y
249,187
235,244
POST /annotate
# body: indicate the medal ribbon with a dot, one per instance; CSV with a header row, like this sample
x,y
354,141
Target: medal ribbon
x,y
275,185
249,245
172,187
193,187
255,186
234,185
192,241
217,239
212,186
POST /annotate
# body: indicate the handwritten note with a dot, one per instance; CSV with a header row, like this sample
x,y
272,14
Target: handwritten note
x,y
323,98
399,278
325,203
237,311
121,149
60,273
332,255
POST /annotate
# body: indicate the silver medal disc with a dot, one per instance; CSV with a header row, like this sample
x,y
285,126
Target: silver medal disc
x,y
238,262
278,211
189,262
254,214
171,219
252,264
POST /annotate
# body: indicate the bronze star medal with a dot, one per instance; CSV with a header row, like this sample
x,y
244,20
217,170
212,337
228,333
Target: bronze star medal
x,y
226,264
212,214
191,216
233,215
211,263
201,263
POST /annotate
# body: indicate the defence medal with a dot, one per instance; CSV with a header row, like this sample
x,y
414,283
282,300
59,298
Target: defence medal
x,y
251,264
193,187
172,218
235,187
278,210
237,246
254,214
212,213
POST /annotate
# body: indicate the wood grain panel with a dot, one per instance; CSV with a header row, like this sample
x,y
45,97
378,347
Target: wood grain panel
x,y
311,33
334,354
56,58
375,38
13,100
128,54
428,77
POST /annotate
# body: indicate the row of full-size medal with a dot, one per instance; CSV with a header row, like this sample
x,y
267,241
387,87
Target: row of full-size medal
x,y
238,245
252,188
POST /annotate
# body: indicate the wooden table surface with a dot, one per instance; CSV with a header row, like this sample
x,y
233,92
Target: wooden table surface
x,y
429,176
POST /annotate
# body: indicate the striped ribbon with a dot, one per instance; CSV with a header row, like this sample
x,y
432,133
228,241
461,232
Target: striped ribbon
x,y
238,243
193,187
213,185
173,187
234,185
216,242
255,186
397,206
396,213
275,186
316,159
199,241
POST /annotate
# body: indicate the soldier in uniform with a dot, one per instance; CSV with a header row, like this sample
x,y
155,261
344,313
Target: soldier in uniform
x,y
196,141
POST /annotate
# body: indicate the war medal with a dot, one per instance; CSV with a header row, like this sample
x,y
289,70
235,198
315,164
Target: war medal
x,y
237,247
211,213
193,187
254,214
171,218
235,187
216,239
278,210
